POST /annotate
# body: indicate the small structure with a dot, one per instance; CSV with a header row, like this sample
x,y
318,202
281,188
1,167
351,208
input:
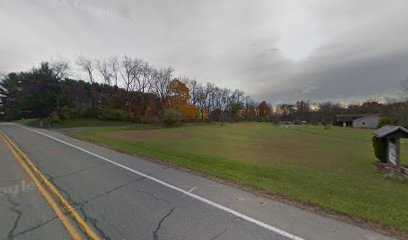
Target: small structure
x,y
367,122
358,120
392,135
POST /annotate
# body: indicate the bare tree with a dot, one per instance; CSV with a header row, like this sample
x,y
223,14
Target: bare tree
x,y
213,96
60,68
237,98
114,68
145,77
103,67
201,95
161,81
87,65
127,73
194,88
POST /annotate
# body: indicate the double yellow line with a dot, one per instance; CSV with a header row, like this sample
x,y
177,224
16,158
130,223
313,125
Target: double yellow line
x,y
51,194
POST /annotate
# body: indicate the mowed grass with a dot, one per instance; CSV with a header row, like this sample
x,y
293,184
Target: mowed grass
x,y
331,169
89,122
74,123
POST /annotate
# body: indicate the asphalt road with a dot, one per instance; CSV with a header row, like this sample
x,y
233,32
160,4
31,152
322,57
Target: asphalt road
x,y
126,197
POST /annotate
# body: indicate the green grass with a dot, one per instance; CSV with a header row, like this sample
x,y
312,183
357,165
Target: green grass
x,y
27,121
86,122
332,169
73,123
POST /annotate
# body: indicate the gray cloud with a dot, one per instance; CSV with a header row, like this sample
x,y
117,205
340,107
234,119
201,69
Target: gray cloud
x,y
278,50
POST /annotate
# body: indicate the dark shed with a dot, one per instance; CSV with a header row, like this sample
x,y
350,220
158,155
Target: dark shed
x,y
392,135
391,131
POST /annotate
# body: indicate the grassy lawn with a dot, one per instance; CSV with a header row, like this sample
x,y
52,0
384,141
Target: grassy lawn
x,y
72,123
27,121
332,169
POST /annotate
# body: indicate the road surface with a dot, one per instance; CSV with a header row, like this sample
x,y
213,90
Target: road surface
x,y
119,196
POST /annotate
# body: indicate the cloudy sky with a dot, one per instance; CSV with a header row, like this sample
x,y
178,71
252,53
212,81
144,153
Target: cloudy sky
x,y
278,50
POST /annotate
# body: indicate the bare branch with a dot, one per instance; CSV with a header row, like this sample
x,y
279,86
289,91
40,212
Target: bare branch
x,y
86,65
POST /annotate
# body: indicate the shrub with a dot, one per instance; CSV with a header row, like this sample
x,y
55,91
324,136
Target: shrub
x,y
147,117
262,119
380,148
327,126
54,118
115,115
384,121
171,117
89,113
68,113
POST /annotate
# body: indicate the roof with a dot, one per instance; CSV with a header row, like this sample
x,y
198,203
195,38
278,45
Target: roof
x,y
389,130
367,117
351,117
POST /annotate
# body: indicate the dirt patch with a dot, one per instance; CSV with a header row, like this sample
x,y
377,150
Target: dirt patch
x,y
389,170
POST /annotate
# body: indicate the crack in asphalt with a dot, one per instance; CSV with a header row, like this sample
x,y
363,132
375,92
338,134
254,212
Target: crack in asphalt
x,y
78,171
156,231
36,227
234,220
110,191
19,213
220,234
87,218
153,196
80,206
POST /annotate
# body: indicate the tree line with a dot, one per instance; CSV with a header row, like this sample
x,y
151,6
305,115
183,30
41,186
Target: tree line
x,y
116,88
325,113
131,89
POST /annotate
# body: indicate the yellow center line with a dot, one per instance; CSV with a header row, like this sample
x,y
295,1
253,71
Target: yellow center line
x,y
67,224
33,171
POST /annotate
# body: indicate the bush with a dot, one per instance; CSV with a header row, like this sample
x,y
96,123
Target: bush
x,y
384,121
54,118
115,115
327,126
89,113
147,117
262,119
380,148
171,117
68,113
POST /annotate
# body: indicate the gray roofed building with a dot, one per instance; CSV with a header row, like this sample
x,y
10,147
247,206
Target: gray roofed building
x,y
367,122
358,120
390,130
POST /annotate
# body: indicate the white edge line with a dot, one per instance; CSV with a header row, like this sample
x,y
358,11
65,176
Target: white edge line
x,y
204,200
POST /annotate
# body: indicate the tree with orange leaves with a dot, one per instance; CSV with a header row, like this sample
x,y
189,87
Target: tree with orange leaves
x,y
179,94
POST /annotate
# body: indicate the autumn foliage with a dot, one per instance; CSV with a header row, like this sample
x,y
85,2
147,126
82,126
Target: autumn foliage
x,y
178,96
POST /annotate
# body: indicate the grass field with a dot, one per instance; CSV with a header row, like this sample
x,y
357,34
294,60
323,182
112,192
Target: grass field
x,y
73,123
332,169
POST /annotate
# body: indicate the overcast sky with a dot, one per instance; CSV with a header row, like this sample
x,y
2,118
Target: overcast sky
x,y
284,50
